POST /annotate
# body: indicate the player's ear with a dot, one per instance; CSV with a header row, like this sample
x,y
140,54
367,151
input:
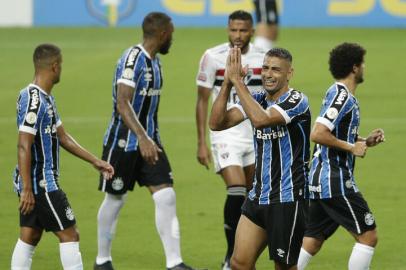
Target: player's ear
x,y
355,68
290,73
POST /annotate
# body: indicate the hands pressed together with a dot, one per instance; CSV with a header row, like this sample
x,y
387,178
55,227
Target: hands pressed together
x,y
234,70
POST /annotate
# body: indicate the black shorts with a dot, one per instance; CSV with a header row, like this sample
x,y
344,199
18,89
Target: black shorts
x,y
284,224
266,11
323,216
52,212
130,167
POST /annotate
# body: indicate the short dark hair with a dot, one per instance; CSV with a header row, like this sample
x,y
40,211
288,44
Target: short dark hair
x,y
343,58
154,22
280,53
240,15
45,54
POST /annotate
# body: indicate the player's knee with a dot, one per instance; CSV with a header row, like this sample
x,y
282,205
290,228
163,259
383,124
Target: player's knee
x,y
369,238
32,238
165,197
312,245
239,264
69,235
119,200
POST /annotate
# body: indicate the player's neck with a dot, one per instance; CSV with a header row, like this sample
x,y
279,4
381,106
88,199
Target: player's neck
x,y
151,47
44,83
275,96
350,84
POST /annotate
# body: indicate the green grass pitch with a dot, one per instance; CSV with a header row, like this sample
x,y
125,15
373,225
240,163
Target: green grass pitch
x,y
84,102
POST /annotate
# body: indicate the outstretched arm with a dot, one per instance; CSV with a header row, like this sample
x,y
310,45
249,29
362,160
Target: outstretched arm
x,y
322,135
70,145
149,150
27,201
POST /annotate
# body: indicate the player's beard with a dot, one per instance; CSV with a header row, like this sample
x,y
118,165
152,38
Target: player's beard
x,y
165,47
243,47
57,79
359,79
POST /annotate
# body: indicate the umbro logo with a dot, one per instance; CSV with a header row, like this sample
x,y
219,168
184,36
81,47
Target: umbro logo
x,y
281,252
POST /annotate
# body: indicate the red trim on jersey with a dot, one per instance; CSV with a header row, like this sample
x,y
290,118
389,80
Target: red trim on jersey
x,y
220,72
255,71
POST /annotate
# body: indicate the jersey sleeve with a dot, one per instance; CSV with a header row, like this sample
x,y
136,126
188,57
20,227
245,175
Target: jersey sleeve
x,y
295,104
258,96
29,111
207,71
130,70
334,107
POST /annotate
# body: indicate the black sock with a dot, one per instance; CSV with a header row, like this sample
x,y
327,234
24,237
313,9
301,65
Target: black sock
x,y
232,212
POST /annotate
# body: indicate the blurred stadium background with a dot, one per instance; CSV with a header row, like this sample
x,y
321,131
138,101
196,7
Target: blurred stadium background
x,y
91,43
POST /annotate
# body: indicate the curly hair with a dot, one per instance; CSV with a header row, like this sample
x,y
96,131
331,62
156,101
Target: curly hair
x,y
343,58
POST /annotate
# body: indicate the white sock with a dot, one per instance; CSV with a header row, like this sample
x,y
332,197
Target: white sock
x,y
361,257
70,256
264,43
106,225
304,259
22,256
167,225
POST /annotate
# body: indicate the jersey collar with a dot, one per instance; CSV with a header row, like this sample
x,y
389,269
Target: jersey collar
x,y
39,88
343,85
144,51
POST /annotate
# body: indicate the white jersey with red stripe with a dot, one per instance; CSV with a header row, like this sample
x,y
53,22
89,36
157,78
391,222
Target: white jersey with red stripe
x,y
211,75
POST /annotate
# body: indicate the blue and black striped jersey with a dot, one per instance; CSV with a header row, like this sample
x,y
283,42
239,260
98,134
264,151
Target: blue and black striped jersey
x,y
136,69
37,114
282,151
331,172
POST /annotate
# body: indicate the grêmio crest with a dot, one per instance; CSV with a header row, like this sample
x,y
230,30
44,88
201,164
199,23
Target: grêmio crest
x,y
110,12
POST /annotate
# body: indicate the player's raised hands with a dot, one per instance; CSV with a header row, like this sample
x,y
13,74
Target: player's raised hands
x,y
27,201
149,150
234,71
376,137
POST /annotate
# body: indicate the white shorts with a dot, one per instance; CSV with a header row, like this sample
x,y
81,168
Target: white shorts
x,y
228,154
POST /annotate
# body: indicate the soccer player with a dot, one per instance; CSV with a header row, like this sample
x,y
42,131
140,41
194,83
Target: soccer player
x,y
334,196
267,23
43,204
132,143
233,149
272,215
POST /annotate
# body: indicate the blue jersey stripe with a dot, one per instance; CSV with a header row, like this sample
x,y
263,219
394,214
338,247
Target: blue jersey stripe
x,y
286,164
335,175
266,187
38,115
282,151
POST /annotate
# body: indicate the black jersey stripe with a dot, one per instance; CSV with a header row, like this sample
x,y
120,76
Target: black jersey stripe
x,y
339,100
147,99
33,106
132,57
